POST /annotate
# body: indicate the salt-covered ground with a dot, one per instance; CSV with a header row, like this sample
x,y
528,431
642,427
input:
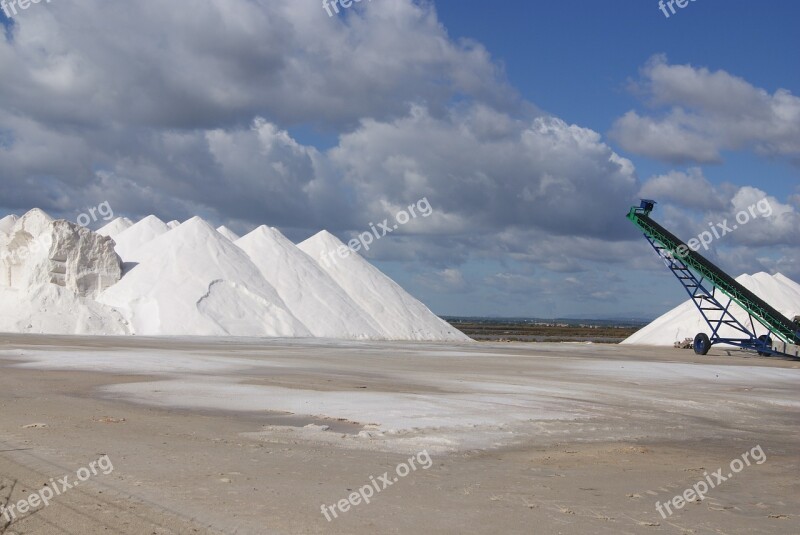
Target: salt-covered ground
x,y
253,436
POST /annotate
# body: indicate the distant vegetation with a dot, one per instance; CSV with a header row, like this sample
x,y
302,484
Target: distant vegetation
x,y
541,330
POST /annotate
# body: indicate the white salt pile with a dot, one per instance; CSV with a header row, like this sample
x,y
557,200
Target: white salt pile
x,y
228,233
50,274
40,251
399,315
113,229
310,293
194,281
191,279
685,321
130,240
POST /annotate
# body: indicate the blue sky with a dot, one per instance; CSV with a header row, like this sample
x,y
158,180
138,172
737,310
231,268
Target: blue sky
x,y
573,58
530,127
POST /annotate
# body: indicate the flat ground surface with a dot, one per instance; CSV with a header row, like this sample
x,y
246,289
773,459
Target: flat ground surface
x,y
253,436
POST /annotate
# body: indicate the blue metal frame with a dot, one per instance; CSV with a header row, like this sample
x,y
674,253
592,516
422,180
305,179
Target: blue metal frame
x,y
707,303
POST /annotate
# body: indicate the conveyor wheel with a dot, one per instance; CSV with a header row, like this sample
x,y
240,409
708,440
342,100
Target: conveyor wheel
x,y
702,344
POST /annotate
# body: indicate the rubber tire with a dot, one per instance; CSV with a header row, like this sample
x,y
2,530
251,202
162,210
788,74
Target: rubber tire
x,y
767,341
702,344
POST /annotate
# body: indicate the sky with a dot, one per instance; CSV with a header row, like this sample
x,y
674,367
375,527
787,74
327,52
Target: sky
x,y
529,128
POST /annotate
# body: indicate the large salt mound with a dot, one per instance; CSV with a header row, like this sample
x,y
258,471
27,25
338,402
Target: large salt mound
x,y
189,279
113,229
40,251
193,281
49,273
308,291
401,316
132,239
685,321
